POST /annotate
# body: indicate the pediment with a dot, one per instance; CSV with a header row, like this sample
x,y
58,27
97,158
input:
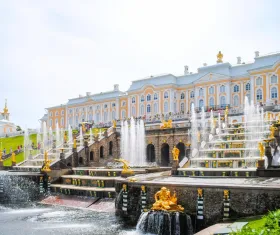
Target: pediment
x,y
212,77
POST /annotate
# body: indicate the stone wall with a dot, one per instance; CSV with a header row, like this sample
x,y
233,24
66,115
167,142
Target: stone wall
x,y
243,201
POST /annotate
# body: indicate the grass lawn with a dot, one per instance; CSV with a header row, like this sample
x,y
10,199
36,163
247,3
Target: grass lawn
x,y
14,142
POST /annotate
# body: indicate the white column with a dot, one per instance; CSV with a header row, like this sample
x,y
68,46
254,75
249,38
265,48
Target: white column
x,y
196,94
217,95
252,90
117,108
159,102
267,98
228,93
242,94
171,100
186,100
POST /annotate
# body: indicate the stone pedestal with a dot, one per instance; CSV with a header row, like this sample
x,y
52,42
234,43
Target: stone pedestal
x,y
14,163
261,164
75,159
175,166
268,155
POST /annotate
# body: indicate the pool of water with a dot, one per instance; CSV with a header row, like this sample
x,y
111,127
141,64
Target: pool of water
x,y
36,219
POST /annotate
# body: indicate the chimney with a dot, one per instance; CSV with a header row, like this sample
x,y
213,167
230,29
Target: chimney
x,y
186,70
88,93
238,60
116,87
257,54
205,64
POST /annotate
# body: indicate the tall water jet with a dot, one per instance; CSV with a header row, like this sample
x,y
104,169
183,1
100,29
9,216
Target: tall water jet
x,y
81,137
26,144
70,134
203,124
45,136
90,136
50,138
194,133
57,135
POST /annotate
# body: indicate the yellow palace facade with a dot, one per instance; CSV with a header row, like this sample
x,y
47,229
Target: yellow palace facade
x,y
212,86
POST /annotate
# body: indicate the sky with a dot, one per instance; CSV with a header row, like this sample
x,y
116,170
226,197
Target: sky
x,y
54,50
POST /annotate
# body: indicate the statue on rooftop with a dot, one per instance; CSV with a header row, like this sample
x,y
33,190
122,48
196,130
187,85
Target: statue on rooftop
x,y
220,57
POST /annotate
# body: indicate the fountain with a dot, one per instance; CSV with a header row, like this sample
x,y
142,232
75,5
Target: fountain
x,y
133,142
70,134
57,135
26,144
81,137
90,135
194,133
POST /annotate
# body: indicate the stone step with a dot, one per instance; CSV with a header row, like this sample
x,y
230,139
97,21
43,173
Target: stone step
x,y
84,191
91,181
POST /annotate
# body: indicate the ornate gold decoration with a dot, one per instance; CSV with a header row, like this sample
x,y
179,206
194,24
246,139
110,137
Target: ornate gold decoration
x,y
262,150
132,180
175,153
200,192
83,128
226,112
114,124
126,167
14,157
143,188
124,187
166,125
226,194
6,107
65,137
220,57
75,143
272,131
166,202
47,162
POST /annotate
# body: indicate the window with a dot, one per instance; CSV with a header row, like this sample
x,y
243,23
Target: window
x,y
105,116
223,101
133,111
182,96
175,95
133,100
83,118
273,92
83,109
222,89
149,97
50,122
192,105
105,106
70,120
259,81
192,94
211,90
56,113
236,88
166,107
148,108
166,95
90,117
182,107
50,114
62,121
142,110
123,103
201,92
155,96
259,94
123,114
175,108
77,120
56,121
113,105
235,100
113,115
62,112
90,108
97,117
142,98
211,102
155,108
201,103
248,87
77,110
273,79
98,107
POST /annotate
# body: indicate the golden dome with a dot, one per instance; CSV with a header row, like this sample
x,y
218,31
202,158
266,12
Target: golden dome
x,y
6,107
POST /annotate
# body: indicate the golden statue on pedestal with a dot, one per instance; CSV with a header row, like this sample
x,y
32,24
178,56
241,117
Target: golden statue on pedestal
x,y
262,150
83,128
65,137
166,202
114,124
47,163
175,153
75,143
272,131
14,157
126,168
226,113
220,57
166,125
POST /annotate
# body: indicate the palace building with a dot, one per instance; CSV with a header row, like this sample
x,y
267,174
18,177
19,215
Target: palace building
x,y
211,87
6,126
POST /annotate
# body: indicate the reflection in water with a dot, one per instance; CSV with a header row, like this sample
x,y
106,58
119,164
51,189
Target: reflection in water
x,y
44,220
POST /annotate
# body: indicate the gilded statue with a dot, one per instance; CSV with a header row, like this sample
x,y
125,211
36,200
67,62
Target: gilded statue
x,y
65,137
200,192
83,128
220,57
126,168
166,125
143,188
175,153
262,149
114,124
272,131
74,143
14,157
226,112
124,187
47,162
226,194
166,202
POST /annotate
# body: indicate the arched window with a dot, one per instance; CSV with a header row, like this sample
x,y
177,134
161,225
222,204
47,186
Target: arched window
x,y
123,114
259,94
148,108
182,96
222,89
236,88
166,107
192,105
62,121
211,102
56,113
149,97
113,105
155,108
105,106
142,110
97,108
182,107
201,103
273,79
235,100
273,92
223,101
248,87
201,92
259,81
123,103
133,100
133,111
105,116
155,96
56,121
211,90
50,122
70,120
62,112
142,98
77,120
90,117
166,95
113,115
192,94
50,114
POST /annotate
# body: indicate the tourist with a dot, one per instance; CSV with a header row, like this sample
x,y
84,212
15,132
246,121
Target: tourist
x,y
4,151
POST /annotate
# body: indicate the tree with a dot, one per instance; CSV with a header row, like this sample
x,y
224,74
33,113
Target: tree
x,y
19,128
